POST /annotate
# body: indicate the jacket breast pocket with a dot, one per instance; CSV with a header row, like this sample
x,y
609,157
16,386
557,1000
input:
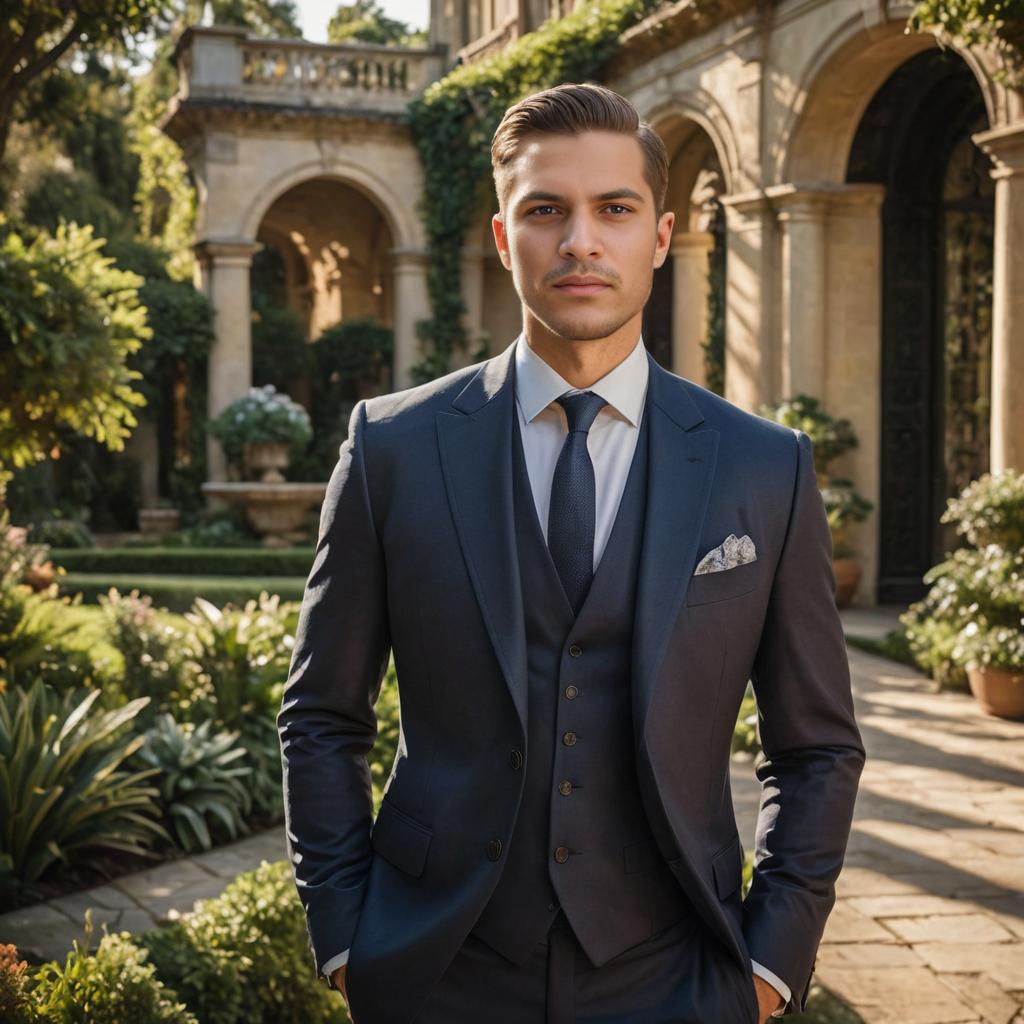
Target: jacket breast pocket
x,y
400,840
727,868
707,587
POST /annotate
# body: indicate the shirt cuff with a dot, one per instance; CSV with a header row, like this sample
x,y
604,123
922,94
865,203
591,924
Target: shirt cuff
x,y
334,963
774,980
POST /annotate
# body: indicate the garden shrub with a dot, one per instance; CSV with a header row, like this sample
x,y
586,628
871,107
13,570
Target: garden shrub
x,y
65,792
113,986
16,1003
201,780
185,561
243,958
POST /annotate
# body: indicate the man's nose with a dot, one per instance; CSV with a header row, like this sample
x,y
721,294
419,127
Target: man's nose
x,y
581,239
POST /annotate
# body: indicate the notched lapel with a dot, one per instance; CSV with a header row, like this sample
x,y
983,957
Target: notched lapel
x,y
475,443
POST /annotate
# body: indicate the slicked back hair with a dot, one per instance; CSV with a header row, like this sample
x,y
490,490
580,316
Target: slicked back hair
x,y
570,109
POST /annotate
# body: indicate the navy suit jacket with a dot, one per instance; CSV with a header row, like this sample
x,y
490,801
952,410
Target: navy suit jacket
x,y
416,555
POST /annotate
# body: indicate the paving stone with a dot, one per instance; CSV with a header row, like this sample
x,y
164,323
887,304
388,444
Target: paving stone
x,y
846,925
182,900
102,897
857,881
884,955
944,927
161,882
39,930
1002,962
917,904
985,996
910,995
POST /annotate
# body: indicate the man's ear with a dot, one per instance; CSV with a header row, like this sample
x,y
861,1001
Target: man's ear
x,y
500,240
664,237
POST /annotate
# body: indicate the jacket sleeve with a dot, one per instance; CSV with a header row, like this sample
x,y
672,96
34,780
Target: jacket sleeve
x,y
327,722
813,754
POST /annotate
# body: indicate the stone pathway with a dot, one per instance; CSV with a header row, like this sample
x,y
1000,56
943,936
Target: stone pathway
x,y
928,926
139,901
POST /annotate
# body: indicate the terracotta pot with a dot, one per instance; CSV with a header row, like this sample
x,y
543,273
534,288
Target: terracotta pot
x,y
848,573
998,691
270,457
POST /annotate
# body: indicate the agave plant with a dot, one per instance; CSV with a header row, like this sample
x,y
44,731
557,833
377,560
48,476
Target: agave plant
x,y
202,779
65,791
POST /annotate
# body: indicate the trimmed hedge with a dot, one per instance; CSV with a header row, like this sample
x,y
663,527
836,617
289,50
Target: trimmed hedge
x,y
156,561
176,593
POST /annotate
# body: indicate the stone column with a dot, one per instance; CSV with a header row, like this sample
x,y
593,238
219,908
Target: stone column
x,y
749,337
224,269
473,297
412,303
691,284
1005,145
803,326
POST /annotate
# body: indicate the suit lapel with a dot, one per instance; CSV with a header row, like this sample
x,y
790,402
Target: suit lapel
x,y
475,443
681,467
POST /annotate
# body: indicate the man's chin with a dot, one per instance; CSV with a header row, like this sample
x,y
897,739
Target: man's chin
x,y
582,328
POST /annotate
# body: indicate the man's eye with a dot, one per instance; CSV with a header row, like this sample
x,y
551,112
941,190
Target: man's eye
x,y
618,206
536,209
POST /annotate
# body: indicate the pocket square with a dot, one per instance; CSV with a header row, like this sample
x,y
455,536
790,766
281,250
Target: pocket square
x,y
731,552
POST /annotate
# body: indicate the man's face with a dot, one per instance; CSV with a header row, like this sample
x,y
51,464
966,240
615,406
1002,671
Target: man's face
x,y
580,206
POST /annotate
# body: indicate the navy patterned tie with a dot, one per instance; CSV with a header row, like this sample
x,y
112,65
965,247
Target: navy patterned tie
x,y
571,515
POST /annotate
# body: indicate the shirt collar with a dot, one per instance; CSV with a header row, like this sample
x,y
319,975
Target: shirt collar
x,y
623,388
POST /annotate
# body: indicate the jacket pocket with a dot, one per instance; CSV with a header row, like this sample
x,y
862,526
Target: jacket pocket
x,y
400,840
727,867
706,587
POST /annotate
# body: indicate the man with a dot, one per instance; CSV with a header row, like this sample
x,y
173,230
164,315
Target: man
x,y
578,560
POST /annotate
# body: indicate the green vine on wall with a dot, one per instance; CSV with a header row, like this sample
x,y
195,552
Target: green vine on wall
x,y
452,124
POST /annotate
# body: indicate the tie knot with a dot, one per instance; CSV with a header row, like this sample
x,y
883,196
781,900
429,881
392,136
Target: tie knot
x,y
581,409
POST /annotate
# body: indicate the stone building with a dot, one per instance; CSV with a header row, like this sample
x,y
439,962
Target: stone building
x,y
849,197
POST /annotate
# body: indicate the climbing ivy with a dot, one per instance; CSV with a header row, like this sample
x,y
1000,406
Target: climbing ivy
x,y
452,124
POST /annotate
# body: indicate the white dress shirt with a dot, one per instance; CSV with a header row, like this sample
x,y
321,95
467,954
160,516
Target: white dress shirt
x,y
610,442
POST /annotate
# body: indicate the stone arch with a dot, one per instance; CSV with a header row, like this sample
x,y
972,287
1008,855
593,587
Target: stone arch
x,y
402,223
838,83
670,117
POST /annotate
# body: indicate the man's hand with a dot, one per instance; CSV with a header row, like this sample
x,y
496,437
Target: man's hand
x,y
338,978
768,999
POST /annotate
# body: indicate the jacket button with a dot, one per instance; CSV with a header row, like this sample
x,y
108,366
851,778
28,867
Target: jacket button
x,y
575,650
561,854
571,692
569,739
494,849
516,759
565,787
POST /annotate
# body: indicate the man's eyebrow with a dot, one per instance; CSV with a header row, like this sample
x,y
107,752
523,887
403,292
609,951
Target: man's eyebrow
x,y
603,197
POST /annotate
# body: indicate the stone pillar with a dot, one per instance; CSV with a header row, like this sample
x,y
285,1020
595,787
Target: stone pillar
x,y
473,297
1005,145
803,326
224,268
691,284
749,335
412,303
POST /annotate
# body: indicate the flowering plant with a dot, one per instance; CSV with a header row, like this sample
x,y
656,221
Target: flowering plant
x,y
263,415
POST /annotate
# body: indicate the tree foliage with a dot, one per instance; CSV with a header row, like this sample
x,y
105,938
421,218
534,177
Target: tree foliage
x,y
365,21
69,319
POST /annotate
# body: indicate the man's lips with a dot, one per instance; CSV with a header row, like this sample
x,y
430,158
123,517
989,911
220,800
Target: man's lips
x,y
582,287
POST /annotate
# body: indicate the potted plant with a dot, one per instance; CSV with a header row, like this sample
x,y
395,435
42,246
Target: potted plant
x,y
259,431
976,601
832,436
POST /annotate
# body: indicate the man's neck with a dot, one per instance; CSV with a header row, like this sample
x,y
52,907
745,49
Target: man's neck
x,y
582,363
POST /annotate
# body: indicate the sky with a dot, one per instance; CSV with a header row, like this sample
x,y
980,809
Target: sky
x,y
314,15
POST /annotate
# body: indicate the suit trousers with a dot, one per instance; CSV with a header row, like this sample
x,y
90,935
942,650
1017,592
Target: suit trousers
x,y
681,975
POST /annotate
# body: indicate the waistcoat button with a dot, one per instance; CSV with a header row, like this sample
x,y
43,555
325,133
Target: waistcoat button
x,y
571,692
575,651
561,854
494,849
516,759
569,739
565,787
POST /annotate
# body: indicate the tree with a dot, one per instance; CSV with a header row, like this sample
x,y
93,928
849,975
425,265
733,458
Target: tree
x,y
364,21
69,319
35,34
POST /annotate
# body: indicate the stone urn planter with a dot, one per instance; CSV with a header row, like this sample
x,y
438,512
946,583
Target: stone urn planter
x,y
848,573
268,458
998,691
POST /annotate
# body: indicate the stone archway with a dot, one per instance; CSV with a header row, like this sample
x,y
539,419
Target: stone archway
x,y
683,314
